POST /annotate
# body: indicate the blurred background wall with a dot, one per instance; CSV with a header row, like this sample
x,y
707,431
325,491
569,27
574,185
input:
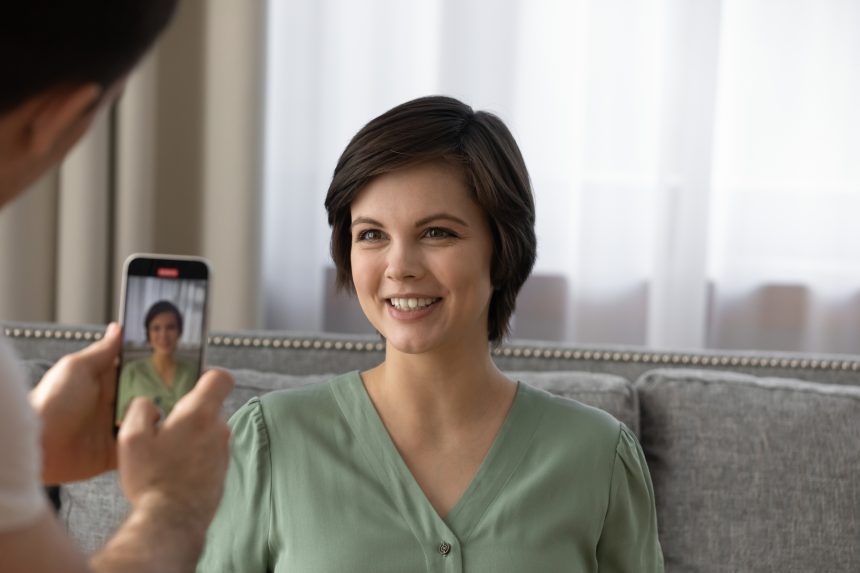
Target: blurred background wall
x,y
173,168
695,164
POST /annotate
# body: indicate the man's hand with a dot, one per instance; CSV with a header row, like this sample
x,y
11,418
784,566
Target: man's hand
x,y
183,461
173,475
75,402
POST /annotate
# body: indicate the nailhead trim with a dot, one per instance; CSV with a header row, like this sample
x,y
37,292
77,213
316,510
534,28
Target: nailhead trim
x,y
642,357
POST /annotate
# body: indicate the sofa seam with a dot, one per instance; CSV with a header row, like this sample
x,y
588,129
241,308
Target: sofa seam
x,y
639,357
646,380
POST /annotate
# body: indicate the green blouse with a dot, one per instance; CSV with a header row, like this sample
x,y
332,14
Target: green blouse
x,y
140,378
315,484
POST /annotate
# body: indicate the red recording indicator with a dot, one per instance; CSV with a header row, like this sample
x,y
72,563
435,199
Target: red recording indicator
x,y
168,273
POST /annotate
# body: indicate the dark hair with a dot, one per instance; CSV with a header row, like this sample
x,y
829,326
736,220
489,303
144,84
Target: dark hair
x,y
47,43
161,307
439,128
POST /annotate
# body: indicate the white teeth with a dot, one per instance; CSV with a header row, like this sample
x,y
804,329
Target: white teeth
x,y
411,303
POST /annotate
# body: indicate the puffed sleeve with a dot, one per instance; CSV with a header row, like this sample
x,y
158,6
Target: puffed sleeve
x,y
238,539
628,542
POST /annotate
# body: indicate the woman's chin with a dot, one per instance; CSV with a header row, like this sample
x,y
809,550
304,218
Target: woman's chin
x,y
413,349
412,343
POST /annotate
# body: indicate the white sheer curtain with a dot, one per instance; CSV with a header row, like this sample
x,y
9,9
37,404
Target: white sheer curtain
x,y
785,242
645,127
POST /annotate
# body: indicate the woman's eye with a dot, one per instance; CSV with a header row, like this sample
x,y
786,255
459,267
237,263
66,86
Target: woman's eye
x,y
369,235
437,233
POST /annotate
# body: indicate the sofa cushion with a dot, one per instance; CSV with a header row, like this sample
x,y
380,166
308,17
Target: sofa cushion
x,y
753,474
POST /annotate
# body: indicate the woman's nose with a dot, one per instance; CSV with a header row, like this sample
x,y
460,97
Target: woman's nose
x,y
403,263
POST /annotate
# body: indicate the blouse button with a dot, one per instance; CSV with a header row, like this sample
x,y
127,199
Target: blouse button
x,y
444,548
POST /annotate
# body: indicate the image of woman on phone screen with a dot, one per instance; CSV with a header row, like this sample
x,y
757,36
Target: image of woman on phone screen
x,y
433,460
162,376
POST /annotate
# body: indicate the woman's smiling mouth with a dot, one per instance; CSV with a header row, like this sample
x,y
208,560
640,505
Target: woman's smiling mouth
x,y
411,304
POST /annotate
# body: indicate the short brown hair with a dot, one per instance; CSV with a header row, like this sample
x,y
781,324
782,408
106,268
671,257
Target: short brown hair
x,y
439,128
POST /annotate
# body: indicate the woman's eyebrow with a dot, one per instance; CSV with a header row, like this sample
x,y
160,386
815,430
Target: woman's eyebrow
x,y
364,220
438,216
418,223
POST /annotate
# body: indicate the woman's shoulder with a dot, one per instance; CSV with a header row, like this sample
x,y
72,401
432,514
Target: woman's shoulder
x,y
566,417
287,421
315,391
309,404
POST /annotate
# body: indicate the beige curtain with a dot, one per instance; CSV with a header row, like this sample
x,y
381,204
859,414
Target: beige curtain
x,y
174,168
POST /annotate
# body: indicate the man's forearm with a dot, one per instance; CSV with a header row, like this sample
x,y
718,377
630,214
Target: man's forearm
x,y
158,537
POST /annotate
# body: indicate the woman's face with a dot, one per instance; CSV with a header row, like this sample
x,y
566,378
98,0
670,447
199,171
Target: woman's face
x,y
421,250
163,333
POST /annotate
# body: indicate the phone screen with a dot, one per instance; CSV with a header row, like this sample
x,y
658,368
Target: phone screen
x,y
164,330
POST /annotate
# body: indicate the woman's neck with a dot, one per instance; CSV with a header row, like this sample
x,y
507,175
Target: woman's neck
x,y
438,392
163,362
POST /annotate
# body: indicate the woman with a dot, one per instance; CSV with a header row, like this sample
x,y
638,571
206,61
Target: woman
x,y
161,376
434,460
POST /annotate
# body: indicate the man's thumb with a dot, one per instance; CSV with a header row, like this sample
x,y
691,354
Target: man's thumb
x,y
102,353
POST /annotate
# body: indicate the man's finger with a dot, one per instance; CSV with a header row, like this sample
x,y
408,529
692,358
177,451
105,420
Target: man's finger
x,y
214,386
206,398
102,353
140,418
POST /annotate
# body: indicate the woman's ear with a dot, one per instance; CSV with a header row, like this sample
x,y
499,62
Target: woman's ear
x,y
62,111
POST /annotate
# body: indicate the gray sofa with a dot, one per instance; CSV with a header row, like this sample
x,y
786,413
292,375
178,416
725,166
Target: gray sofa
x,y
755,457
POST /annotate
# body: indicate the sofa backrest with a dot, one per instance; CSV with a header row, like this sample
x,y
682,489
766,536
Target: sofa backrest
x,y
302,353
751,473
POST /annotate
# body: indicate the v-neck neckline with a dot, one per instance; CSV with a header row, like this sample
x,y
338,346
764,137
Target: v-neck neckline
x,y
154,370
501,460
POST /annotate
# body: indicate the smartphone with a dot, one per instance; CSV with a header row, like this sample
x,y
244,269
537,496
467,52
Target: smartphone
x,y
164,316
